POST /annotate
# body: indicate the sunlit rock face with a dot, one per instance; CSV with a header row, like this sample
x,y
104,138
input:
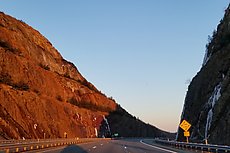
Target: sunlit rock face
x,y
44,96
207,103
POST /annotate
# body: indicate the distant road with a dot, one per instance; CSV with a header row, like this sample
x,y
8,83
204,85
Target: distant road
x,y
111,146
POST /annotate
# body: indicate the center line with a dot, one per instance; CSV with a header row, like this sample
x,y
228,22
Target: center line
x,y
94,147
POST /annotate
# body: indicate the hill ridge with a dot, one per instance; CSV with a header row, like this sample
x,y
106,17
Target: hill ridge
x,y
44,96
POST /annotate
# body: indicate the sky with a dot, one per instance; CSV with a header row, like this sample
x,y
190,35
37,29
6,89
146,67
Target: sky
x,y
143,53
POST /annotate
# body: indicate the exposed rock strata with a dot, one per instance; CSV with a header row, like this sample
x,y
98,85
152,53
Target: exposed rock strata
x,y
207,105
43,95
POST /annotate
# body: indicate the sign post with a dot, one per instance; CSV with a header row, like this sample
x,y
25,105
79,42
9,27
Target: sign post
x,y
185,125
187,134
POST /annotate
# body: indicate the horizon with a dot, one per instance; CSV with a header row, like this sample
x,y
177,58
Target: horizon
x,y
128,50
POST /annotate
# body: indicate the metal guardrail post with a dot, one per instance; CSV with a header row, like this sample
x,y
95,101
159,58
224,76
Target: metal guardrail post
x,y
202,147
26,145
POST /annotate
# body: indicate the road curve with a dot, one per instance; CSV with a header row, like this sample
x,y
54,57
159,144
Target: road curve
x,y
111,146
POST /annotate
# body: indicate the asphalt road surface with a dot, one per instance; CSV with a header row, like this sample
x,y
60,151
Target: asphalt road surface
x,y
112,146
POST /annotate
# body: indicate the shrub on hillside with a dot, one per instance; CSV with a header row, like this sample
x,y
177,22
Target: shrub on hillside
x,y
59,98
5,78
46,67
89,105
67,75
8,47
21,86
37,91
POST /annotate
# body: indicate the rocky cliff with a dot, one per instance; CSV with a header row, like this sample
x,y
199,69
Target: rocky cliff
x,y
44,96
207,105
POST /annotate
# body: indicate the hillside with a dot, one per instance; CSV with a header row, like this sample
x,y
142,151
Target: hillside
x,y
207,105
44,96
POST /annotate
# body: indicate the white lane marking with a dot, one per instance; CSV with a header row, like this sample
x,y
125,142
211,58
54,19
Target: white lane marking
x,y
157,147
94,147
126,149
102,144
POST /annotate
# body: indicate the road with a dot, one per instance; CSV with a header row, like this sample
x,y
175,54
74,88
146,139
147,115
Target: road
x,y
111,146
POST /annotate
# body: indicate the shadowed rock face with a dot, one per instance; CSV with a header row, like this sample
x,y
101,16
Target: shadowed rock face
x,y
42,94
207,105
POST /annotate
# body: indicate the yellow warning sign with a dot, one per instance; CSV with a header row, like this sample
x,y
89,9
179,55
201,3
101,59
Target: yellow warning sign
x,y
185,125
186,134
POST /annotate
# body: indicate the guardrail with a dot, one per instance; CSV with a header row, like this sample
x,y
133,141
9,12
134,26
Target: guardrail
x,y
196,146
14,146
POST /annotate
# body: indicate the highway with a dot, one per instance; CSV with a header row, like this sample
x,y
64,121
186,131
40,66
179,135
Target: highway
x,y
111,146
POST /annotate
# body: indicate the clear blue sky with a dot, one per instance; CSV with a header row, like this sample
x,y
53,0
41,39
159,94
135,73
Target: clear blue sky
x,y
140,52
